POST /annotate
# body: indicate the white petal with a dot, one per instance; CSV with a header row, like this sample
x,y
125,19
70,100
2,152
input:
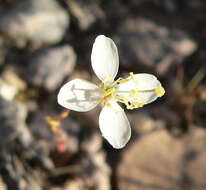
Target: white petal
x,y
114,125
144,85
104,58
79,95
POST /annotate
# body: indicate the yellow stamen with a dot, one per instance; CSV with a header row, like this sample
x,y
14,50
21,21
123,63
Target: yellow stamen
x,y
135,105
133,78
109,93
52,121
102,103
121,81
160,91
139,104
124,99
130,104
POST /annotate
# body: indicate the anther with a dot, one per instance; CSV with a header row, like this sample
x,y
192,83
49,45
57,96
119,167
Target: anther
x,y
160,91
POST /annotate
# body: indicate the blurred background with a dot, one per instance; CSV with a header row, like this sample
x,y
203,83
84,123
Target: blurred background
x,y
45,43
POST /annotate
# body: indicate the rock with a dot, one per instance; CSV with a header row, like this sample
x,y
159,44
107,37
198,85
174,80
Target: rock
x,y
12,117
10,84
194,159
157,160
7,91
11,77
48,68
2,185
196,172
74,185
36,21
85,11
15,176
153,163
144,43
96,172
19,152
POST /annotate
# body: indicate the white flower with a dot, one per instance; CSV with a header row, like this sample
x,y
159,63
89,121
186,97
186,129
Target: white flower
x,y
134,91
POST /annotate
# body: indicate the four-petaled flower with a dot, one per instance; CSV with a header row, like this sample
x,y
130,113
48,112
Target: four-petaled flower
x,y
134,91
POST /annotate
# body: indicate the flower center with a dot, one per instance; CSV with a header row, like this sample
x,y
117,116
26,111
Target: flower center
x,y
109,92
